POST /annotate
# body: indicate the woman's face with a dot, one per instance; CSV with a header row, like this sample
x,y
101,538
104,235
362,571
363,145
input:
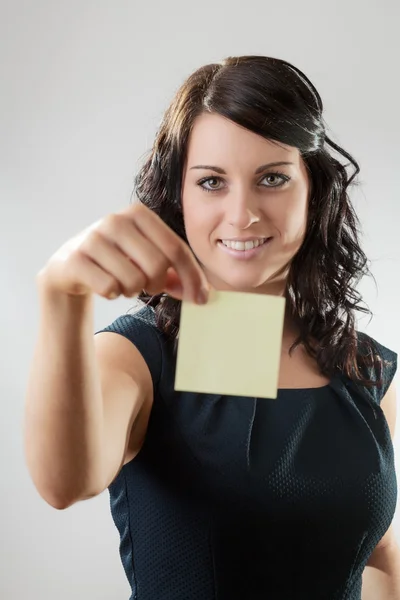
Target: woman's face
x,y
233,201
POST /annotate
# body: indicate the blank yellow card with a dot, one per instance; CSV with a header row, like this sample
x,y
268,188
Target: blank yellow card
x,y
231,345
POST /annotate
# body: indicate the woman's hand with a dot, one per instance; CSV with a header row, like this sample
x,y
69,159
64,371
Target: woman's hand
x,y
124,253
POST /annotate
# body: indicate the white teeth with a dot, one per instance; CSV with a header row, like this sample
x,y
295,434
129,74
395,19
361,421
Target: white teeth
x,y
243,245
238,245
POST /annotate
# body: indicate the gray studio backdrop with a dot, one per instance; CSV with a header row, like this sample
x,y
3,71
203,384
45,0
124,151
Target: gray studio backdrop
x,y
83,87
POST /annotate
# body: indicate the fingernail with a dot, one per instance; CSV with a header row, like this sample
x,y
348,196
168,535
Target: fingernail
x,y
202,296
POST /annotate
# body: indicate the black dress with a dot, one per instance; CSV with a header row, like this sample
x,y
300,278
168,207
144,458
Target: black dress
x,y
253,499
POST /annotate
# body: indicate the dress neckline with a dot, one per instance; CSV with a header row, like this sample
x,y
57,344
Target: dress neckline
x,y
310,389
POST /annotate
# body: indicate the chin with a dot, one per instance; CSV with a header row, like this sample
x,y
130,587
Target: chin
x,y
240,283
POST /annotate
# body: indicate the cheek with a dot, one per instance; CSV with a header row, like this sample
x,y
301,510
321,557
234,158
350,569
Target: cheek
x,y
191,222
197,232
292,222
200,222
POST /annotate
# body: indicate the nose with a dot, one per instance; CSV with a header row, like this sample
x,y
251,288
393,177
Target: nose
x,y
242,210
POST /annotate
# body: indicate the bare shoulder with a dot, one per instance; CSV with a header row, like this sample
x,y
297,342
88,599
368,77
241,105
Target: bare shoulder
x,y
389,406
387,544
116,352
127,391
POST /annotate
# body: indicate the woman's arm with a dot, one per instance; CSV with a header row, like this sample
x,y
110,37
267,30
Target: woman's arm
x,y
84,395
381,577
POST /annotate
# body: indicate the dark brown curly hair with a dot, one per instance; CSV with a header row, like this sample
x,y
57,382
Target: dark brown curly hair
x,y
276,100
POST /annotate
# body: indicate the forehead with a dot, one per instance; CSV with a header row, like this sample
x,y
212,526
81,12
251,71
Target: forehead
x,y
215,136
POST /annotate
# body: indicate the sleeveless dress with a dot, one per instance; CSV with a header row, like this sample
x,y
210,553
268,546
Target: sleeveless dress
x,y
253,499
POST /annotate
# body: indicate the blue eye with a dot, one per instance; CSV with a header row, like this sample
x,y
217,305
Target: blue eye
x,y
280,177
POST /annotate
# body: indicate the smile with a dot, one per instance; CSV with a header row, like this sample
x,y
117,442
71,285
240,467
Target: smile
x,y
244,250
244,245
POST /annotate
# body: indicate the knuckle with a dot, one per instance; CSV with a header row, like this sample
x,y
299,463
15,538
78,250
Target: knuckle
x,y
91,241
113,223
88,244
133,211
135,208
76,261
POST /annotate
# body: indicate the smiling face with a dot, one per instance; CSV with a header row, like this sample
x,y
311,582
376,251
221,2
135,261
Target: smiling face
x,y
233,202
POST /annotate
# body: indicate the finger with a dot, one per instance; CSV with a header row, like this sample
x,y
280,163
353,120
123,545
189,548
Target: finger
x,y
81,268
176,250
106,255
144,254
173,285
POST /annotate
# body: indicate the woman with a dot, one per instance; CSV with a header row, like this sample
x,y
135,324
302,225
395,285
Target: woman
x,y
215,496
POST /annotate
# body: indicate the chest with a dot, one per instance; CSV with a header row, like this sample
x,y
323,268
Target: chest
x,y
308,458
299,370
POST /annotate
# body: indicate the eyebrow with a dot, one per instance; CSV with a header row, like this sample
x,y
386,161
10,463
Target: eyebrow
x,y
258,170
